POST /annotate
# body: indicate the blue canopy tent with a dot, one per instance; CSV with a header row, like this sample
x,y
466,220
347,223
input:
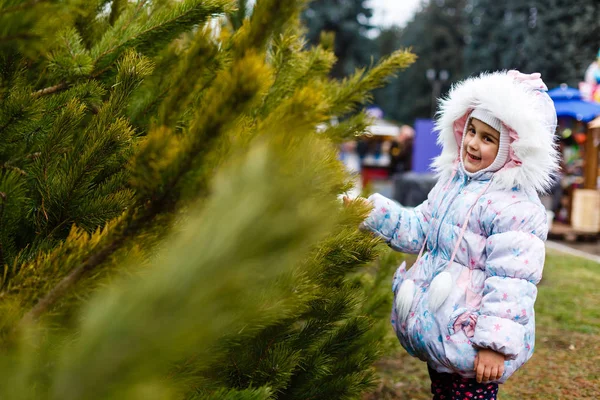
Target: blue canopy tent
x,y
568,103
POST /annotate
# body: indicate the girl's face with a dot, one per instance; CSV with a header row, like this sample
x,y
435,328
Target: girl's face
x,y
480,145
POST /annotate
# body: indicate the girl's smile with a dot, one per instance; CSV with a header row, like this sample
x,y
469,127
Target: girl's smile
x,y
480,145
473,158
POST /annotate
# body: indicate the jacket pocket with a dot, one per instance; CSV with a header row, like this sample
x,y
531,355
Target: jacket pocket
x,y
399,321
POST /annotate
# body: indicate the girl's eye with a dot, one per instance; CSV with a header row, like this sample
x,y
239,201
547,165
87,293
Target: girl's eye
x,y
471,131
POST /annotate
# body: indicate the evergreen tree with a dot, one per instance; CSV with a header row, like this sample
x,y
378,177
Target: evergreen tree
x,y
349,21
554,37
436,34
488,35
168,219
565,40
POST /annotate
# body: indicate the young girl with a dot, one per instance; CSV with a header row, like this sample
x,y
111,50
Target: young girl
x,y
466,306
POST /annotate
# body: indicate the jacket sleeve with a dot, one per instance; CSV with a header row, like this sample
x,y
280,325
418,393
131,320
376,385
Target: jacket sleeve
x,y
403,229
515,260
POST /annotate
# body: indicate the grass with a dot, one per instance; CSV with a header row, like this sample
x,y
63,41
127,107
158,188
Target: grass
x,y
566,362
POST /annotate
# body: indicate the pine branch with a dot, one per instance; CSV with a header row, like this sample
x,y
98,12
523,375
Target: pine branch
x,y
116,9
268,18
237,90
235,394
22,6
236,18
161,28
295,68
217,103
349,129
71,60
189,279
50,90
2,200
233,91
202,54
132,226
128,33
20,36
105,135
354,91
26,26
8,122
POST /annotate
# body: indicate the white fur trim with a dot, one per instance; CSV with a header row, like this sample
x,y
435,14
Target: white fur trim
x,y
527,111
439,290
404,299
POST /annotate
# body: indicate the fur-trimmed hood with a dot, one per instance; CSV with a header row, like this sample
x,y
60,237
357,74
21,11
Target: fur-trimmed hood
x,y
525,110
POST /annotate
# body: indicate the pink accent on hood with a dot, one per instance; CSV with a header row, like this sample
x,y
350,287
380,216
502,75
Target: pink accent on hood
x,y
459,129
513,160
533,80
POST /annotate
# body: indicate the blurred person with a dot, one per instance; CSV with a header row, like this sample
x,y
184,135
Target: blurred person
x,y
401,151
466,307
362,149
556,191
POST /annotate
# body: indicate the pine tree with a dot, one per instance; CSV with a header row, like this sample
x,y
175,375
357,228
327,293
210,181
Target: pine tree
x,y
549,36
565,40
436,34
169,227
349,21
487,34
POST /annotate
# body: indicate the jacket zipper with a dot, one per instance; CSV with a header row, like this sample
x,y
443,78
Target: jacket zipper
x,y
462,185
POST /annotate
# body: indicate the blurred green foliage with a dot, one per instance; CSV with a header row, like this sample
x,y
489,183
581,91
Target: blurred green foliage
x,y
169,222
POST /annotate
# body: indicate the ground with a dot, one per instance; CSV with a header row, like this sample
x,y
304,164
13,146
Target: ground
x,y
566,362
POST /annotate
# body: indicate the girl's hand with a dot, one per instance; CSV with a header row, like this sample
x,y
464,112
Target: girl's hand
x,y
347,201
489,365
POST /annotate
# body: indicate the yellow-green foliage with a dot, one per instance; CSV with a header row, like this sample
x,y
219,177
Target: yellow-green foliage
x,y
172,230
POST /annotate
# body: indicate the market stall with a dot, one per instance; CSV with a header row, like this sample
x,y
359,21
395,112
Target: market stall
x,y
577,207
373,150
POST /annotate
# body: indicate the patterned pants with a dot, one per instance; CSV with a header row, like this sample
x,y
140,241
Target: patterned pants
x,y
455,387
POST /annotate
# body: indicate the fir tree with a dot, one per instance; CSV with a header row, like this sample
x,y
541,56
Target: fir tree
x,y
436,34
486,35
169,227
565,40
349,21
549,36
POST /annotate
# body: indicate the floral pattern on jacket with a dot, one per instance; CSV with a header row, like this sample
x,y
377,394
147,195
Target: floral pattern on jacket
x,y
495,271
